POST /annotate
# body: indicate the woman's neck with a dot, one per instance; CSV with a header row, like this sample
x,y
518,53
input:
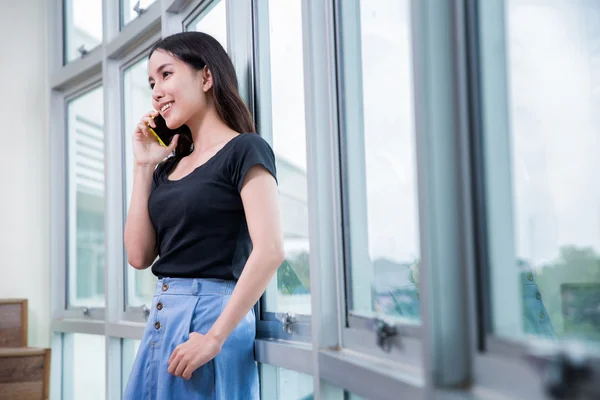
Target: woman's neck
x,y
208,130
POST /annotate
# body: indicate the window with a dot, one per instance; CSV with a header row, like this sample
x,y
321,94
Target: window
x,y
129,349
82,27
551,287
137,101
379,165
131,9
212,20
285,384
85,200
290,289
84,366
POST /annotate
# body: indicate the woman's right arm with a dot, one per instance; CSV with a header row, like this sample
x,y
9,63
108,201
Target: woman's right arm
x,y
140,235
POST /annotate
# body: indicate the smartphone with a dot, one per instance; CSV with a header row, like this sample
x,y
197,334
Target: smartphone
x,y
163,134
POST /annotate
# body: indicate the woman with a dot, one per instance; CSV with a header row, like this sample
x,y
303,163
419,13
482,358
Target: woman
x,y
211,212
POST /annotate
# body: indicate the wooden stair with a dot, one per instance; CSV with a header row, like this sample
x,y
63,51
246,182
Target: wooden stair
x,y
13,322
24,371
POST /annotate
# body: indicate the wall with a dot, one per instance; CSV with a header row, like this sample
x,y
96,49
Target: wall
x,y
24,162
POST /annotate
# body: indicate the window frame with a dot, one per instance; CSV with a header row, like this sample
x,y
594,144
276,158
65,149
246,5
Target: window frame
x,y
132,314
201,8
65,319
64,34
358,332
269,323
506,366
62,310
123,25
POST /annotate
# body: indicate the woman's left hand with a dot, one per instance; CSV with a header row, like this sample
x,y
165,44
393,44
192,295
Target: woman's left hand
x,y
191,355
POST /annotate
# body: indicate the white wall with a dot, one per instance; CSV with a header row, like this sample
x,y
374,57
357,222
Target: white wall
x,y
24,162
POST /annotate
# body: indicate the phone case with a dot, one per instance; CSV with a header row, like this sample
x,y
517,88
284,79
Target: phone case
x,y
162,134
157,137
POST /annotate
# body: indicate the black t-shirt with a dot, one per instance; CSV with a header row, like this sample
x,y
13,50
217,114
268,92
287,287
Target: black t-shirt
x,y
199,219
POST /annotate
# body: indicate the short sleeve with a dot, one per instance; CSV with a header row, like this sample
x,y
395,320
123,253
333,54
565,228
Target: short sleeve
x,y
251,150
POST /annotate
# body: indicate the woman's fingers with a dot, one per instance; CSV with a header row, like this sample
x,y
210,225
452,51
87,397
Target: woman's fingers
x,y
173,143
149,121
141,127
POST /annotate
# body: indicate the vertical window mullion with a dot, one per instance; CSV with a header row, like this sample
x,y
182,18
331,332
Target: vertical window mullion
x,y
440,128
323,184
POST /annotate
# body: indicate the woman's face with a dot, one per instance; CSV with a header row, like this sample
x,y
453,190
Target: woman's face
x,y
178,90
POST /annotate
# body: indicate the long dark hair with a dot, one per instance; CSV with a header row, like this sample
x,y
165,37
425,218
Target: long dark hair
x,y
200,50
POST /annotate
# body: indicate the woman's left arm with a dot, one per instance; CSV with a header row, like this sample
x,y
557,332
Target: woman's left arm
x,y
261,205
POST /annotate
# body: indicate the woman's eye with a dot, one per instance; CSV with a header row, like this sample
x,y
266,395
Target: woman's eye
x,y
165,74
151,86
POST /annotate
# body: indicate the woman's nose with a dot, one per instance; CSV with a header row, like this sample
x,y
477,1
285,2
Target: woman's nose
x,y
157,94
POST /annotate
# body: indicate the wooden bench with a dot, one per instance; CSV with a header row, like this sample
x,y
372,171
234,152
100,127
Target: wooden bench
x,y
13,322
24,373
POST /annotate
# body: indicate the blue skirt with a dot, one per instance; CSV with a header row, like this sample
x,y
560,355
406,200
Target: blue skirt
x,y
181,306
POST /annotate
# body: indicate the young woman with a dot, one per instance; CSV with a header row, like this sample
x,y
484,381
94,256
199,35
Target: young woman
x,y
208,206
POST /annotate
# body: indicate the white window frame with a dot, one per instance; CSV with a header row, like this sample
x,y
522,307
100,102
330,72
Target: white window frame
x,y
512,368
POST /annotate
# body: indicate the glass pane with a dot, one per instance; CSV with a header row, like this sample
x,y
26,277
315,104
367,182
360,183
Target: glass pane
x,y
129,350
137,99
82,27
128,9
212,20
86,200
380,163
285,384
352,396
554,97
289,291
84,366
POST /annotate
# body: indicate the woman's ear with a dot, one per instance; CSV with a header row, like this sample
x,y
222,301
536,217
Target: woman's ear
x,y
207,79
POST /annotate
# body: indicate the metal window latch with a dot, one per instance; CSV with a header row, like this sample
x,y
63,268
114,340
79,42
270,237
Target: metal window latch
x,y
86,312
564,376
145,311
138,9
287,322
566,372
385,333
82,51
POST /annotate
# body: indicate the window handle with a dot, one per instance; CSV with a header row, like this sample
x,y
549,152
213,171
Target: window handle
x,y
86,312
145,311
385,334
566,371
82,51
139,10
564,376
287,321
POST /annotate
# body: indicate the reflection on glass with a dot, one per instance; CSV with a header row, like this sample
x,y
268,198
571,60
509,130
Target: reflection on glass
x,y
289,291
129,350
381,165
137,101
212,20
84,366
285,384
83,27
85,174
129,12
554,91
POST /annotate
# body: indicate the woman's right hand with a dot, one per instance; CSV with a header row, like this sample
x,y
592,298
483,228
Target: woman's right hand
x,y
146,149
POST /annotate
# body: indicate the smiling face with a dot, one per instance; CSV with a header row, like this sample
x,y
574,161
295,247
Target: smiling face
x,y
179,92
